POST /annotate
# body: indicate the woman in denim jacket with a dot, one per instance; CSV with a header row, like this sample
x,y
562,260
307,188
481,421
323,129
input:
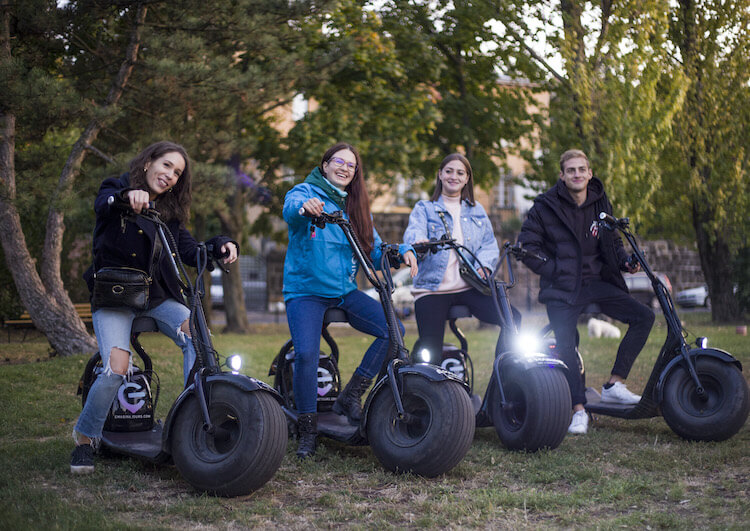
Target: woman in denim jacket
x,y
320,272
452,211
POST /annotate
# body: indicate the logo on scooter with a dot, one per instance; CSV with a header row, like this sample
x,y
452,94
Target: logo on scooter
x,y
130,396
454,366
325,381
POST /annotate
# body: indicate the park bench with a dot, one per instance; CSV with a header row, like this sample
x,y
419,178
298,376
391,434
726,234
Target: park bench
x,y
83,309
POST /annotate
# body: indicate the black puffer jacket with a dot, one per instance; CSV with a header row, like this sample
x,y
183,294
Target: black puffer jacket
x,y
119,242
549,232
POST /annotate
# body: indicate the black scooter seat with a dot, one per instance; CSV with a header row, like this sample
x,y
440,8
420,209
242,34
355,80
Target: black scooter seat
x,y
642,410
458,312
143,444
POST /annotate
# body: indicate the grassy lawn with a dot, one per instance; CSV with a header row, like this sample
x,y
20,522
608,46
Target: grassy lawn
x,y
621,474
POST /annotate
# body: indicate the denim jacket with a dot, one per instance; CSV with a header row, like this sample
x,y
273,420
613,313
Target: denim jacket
x,y
321,262
425,223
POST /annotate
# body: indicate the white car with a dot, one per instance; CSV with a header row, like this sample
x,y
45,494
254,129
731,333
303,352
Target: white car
x,y
693,297
403,300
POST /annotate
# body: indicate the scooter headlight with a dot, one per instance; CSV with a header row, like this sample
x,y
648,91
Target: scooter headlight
x,y
424,355
528,344
234,363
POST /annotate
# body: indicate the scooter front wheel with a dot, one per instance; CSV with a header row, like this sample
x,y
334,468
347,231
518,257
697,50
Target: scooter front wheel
x,y
246,448
716,417
537,410
435,434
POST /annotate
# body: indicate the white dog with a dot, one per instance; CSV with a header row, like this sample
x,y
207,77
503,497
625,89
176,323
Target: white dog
x,y
599,328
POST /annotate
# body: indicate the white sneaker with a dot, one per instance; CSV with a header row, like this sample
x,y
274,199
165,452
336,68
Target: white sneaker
x,y
580,423
619,393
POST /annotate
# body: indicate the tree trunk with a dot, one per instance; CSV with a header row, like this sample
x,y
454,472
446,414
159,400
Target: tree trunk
x,y
716,263
43,295
234,296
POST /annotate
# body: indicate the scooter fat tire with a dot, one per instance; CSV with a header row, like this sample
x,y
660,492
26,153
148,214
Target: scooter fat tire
x,y
439,434
715,419
243,454
539,412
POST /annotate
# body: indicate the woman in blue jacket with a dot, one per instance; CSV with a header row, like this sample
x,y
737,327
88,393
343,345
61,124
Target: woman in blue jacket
x,y
452,211
320,272
159,173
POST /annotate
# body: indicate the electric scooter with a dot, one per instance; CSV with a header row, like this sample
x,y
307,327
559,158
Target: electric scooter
x,y
417,418
527,399
225,433
700,391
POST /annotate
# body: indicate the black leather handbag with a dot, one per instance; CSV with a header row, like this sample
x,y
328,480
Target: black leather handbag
x,y
115,287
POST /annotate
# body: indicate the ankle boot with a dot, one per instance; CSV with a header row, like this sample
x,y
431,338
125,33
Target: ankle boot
x,y
349,402
308,434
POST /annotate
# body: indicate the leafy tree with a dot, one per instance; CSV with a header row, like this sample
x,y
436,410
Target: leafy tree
x,y
612,97
706,165
208,76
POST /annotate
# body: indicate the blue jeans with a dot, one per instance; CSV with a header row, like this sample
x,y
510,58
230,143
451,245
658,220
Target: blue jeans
x,y
305,318
112,328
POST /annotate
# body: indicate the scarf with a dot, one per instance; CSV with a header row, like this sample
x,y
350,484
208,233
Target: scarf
x,y
336,195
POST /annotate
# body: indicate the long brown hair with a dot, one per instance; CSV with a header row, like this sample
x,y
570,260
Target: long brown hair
x,y
467,192
174,204
357,200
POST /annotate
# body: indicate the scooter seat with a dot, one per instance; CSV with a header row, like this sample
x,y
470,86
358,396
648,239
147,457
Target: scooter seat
x,y
143,324
459,311
335,315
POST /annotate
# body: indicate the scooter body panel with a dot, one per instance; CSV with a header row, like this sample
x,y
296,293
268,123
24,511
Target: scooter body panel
x,y
719,354
425,370
245,383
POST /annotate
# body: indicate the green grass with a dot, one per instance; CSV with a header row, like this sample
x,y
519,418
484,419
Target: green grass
x,y
621,474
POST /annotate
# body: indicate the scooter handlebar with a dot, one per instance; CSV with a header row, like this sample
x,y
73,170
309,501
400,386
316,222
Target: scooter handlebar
x,y
610,222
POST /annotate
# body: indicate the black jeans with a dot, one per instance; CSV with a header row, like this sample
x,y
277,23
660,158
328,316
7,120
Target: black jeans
x,y
431,312
613,302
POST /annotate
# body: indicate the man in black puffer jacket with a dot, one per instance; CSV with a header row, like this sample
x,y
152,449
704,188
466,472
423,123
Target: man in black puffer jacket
x,y
583,266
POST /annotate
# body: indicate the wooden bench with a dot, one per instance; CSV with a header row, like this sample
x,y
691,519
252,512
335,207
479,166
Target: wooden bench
x,y
24,322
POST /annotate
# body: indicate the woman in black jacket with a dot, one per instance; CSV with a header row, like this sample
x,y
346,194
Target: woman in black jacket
x,y
160,173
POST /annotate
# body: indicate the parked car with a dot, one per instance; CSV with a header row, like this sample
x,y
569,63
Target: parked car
x,y
641,289
403,300
692,297
255,292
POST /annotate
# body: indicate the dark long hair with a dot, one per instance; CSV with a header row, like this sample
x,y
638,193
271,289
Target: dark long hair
x,y
467,192
174,204
357,200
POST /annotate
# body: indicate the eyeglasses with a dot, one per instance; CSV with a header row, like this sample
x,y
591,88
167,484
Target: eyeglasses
x,y
341,162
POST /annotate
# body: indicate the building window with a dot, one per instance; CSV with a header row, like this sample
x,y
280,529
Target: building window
x,y
504,191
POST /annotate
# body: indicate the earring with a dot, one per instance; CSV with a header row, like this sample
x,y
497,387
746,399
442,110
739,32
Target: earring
x,y
170,190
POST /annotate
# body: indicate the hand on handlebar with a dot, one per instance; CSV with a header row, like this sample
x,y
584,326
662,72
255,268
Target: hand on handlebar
x,y
410,259
229,253
138,200
312,207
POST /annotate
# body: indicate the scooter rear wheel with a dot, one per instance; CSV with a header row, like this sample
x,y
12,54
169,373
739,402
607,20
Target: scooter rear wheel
x,y
538,411
245,450
435,435
718,417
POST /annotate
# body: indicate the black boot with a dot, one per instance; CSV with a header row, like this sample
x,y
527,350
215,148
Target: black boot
x,y
308,434
349,402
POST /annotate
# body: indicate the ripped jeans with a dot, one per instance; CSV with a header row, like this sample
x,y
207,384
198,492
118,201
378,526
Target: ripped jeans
x,y
112,329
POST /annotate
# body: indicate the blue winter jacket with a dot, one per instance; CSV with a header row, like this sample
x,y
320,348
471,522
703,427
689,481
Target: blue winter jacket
x,y
424,224
322,262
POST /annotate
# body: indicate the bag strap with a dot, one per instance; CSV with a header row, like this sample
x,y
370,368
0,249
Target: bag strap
x,y
155,255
